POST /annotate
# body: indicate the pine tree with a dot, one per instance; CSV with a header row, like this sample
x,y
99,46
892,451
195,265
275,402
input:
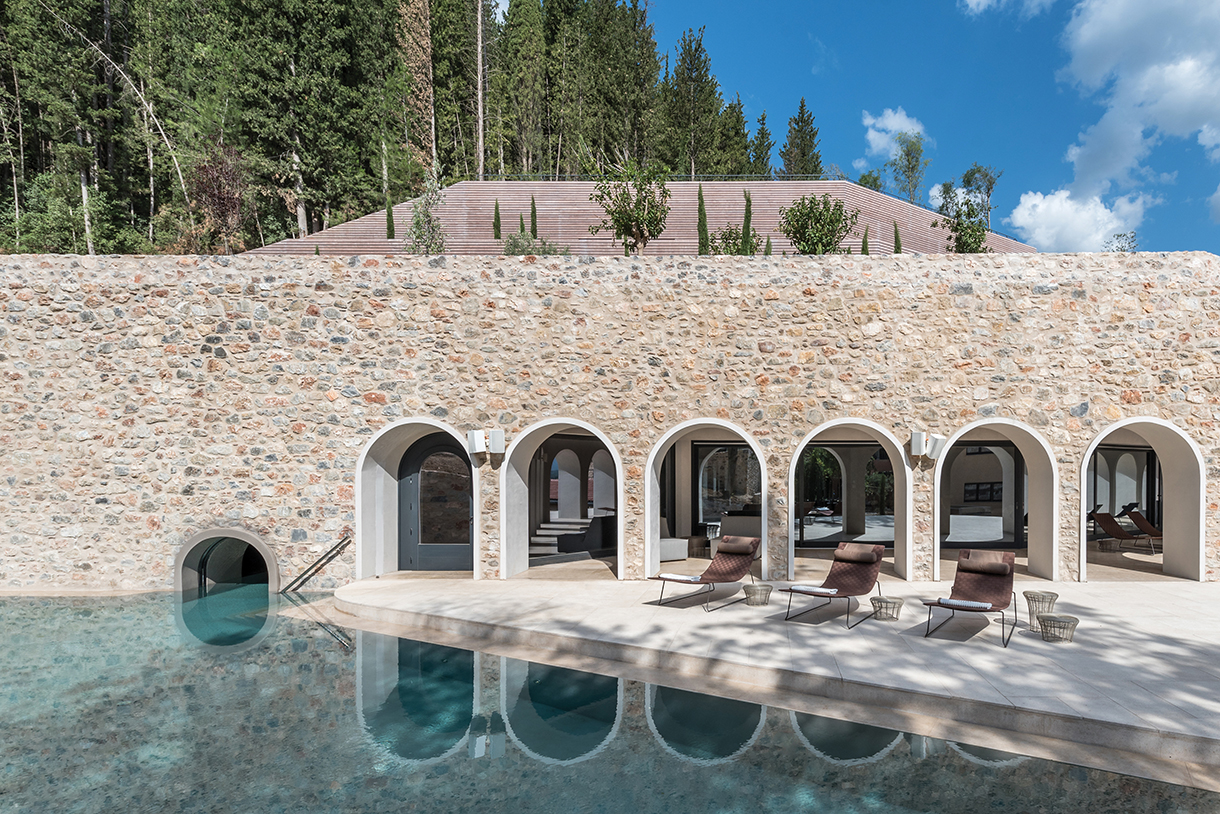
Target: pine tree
x,y
864,242
690,105
495,221
731,153
533,218
704,243
526,43
747,244
897,240
761,146
800,152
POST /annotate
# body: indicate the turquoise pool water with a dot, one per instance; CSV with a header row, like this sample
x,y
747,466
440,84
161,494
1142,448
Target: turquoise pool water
x,y
139,704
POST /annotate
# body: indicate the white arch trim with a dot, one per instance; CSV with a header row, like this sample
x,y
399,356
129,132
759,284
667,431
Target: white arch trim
x,y
377,494
1185,490
1043,505
903,490
652,490
650,693
508,723
514,492
236,532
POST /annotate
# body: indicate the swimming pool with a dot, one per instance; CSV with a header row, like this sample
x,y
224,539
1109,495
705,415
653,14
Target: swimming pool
x,y
135,704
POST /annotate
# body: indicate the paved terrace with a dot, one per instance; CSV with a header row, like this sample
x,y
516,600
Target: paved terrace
x,y
1143,675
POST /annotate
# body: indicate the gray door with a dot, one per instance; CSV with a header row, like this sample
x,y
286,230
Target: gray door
x,y
435,507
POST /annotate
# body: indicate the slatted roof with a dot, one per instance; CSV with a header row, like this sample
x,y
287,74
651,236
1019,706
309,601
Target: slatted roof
x,y
565,214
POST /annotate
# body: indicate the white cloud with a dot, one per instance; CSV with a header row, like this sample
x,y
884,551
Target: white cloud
x,y
1214,202
880,134
1061,222
1157,68
1028,7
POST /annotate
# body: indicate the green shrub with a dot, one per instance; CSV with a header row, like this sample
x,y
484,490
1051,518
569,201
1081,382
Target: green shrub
x,y
817,225
524,243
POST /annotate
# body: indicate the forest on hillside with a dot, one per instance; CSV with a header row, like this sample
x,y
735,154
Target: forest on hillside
x,y
201,126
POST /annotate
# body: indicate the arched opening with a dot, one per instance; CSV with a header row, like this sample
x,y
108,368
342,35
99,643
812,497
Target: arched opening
x,y
843,742
603,485
706,479
226,579
558,715
435,506
849,482
997,487
1150,467
438,493
549,510
702,729
416,700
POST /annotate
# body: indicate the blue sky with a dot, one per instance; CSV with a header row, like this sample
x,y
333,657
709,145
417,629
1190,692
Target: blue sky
x,y
1103,114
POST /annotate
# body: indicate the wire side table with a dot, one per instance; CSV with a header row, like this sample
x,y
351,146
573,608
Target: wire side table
x,y
886,608
1039,602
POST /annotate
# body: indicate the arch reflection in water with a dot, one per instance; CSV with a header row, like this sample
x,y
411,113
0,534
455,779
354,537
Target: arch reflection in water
x,y
843,742
416,700
989,758
238,617
558,715
701,728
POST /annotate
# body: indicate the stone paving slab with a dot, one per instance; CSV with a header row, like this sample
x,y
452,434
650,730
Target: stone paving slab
x,y
1135,678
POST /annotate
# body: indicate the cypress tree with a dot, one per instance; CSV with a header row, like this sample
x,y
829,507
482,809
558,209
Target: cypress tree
x,y
747,245
521,227
495,221
897,240
705,245
389,219
533,218
767,250
864,243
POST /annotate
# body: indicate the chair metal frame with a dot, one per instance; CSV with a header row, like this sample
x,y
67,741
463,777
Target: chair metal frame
x,y
829,599
929,630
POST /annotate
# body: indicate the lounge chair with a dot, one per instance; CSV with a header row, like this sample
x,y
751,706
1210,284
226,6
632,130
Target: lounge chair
x,y
1114,529
853,572
983,585
732,562
1143,525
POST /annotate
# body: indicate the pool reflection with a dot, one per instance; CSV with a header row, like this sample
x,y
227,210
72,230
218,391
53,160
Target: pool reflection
x,y
235,617
416,699
702,728
556,714
844,742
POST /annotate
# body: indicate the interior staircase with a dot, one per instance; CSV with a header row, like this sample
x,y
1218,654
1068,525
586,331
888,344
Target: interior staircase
x,y
545,541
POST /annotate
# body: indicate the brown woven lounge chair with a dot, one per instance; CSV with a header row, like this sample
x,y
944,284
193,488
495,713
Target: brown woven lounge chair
x,y
852,573
983,585
732,562
1143,525
1114,529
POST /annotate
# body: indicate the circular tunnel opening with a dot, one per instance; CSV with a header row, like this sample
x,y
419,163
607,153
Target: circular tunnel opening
x,y
226,581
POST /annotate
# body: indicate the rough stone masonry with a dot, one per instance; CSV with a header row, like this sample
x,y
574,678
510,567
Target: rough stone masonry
x,y
145,399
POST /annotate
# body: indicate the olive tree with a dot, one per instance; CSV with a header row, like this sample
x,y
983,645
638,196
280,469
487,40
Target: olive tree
x,y
636,201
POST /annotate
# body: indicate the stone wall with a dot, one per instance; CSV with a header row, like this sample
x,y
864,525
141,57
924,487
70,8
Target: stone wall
x,y
146,398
